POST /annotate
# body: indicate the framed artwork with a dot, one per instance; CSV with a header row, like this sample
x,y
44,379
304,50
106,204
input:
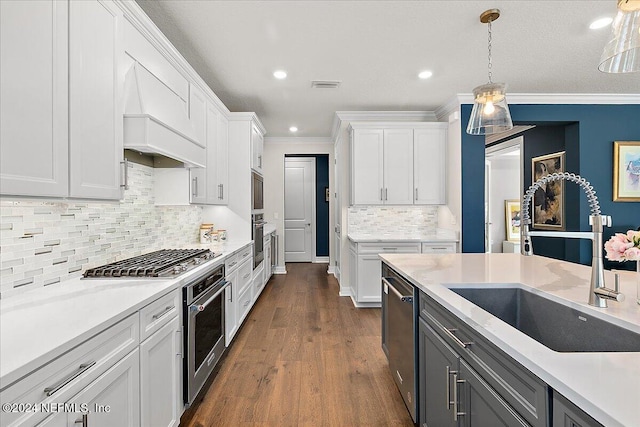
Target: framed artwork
x,y
512,220
548,201
626,171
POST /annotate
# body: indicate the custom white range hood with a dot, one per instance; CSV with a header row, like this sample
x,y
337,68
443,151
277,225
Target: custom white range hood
x,y
156,120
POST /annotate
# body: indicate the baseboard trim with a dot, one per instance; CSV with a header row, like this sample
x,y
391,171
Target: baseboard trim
x,y
321,260
345,292
279,269
331,270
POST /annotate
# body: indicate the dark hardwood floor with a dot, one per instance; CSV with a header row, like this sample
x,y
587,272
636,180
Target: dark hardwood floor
x,y
304,357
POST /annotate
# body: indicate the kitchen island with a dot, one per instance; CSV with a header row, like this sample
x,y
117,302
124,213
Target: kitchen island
x,y
604,385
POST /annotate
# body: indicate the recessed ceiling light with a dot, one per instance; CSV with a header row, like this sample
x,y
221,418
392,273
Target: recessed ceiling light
x,y
280,74
293,129
425,74
601,23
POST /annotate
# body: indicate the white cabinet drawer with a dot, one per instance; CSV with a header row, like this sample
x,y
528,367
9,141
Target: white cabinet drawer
x,y
439,248
381,248
244,275
244,304
157,313
233,261
65,376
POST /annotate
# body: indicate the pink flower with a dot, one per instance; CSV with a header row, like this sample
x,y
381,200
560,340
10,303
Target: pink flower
x,y
623,247
632,254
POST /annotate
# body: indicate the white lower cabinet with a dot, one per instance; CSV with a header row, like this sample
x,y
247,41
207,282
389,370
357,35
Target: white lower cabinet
x,y
160,364
365,270
113,399
239,268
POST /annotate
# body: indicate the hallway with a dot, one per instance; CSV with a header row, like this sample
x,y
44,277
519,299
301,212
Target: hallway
x,y
304,357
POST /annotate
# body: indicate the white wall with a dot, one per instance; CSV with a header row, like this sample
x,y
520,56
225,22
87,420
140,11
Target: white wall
x,y
504,185
275,150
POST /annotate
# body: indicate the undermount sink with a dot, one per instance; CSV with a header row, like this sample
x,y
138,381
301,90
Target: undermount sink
x,y
554,325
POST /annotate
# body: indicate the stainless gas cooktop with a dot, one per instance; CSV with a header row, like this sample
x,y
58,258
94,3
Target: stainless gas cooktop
x,y
162,263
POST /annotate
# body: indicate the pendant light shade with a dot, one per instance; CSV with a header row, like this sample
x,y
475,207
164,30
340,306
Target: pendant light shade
x,y
622,53
490,112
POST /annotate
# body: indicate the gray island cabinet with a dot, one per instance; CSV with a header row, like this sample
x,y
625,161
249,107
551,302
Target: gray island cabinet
x,y
475,367
466,381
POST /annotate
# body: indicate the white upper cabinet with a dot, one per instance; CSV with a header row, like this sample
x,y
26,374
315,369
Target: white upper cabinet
x,y
221,195
257,149
367,185
398,163
95,99
61,112
210,185
198,118
398,166
429,164
34,125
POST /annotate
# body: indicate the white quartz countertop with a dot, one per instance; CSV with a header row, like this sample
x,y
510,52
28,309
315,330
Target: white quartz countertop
x,y
269,228
41,324
403,237
605,385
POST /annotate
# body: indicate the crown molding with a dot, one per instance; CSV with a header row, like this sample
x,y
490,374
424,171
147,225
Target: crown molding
x,y
247,116
298,140
545,98
397,125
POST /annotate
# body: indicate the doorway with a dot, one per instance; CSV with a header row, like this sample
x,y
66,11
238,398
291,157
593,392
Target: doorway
x,y
306,208
503,183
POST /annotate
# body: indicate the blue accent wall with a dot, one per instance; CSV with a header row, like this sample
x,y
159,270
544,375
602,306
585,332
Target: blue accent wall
x,y
589,133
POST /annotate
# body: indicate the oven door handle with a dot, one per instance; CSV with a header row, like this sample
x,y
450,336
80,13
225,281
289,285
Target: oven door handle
x,y
202,307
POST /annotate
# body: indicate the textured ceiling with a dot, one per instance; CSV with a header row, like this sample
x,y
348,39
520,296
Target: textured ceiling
x,y
376,48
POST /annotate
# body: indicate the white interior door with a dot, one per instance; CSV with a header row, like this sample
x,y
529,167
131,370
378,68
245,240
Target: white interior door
x,y
299,218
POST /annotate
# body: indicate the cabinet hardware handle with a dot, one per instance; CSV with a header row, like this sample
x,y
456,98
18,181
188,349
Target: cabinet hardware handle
x,y
382,194
125,164
416,193
231,293
179,331
246,276
66,380
260,161
451,333
246,303
456,381
163,312
245,255
84,420
448,389
389,249
233,263
385,194
195,187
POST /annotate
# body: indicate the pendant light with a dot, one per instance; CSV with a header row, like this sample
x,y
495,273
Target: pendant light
x,y
622,53
490,112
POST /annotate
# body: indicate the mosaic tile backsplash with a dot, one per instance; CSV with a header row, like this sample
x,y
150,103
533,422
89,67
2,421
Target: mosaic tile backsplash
x,y
393,219
43,243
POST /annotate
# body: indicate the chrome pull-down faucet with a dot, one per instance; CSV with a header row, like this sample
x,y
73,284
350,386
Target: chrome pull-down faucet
x,y
598,293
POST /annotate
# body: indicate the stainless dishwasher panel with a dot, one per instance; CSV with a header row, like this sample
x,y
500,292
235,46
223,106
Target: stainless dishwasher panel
x,y
399,331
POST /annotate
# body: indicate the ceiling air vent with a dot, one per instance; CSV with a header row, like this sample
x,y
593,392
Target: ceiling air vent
x,y
325,84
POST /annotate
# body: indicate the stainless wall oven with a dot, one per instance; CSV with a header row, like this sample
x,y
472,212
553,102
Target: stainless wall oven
x,y
257,234
204,328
